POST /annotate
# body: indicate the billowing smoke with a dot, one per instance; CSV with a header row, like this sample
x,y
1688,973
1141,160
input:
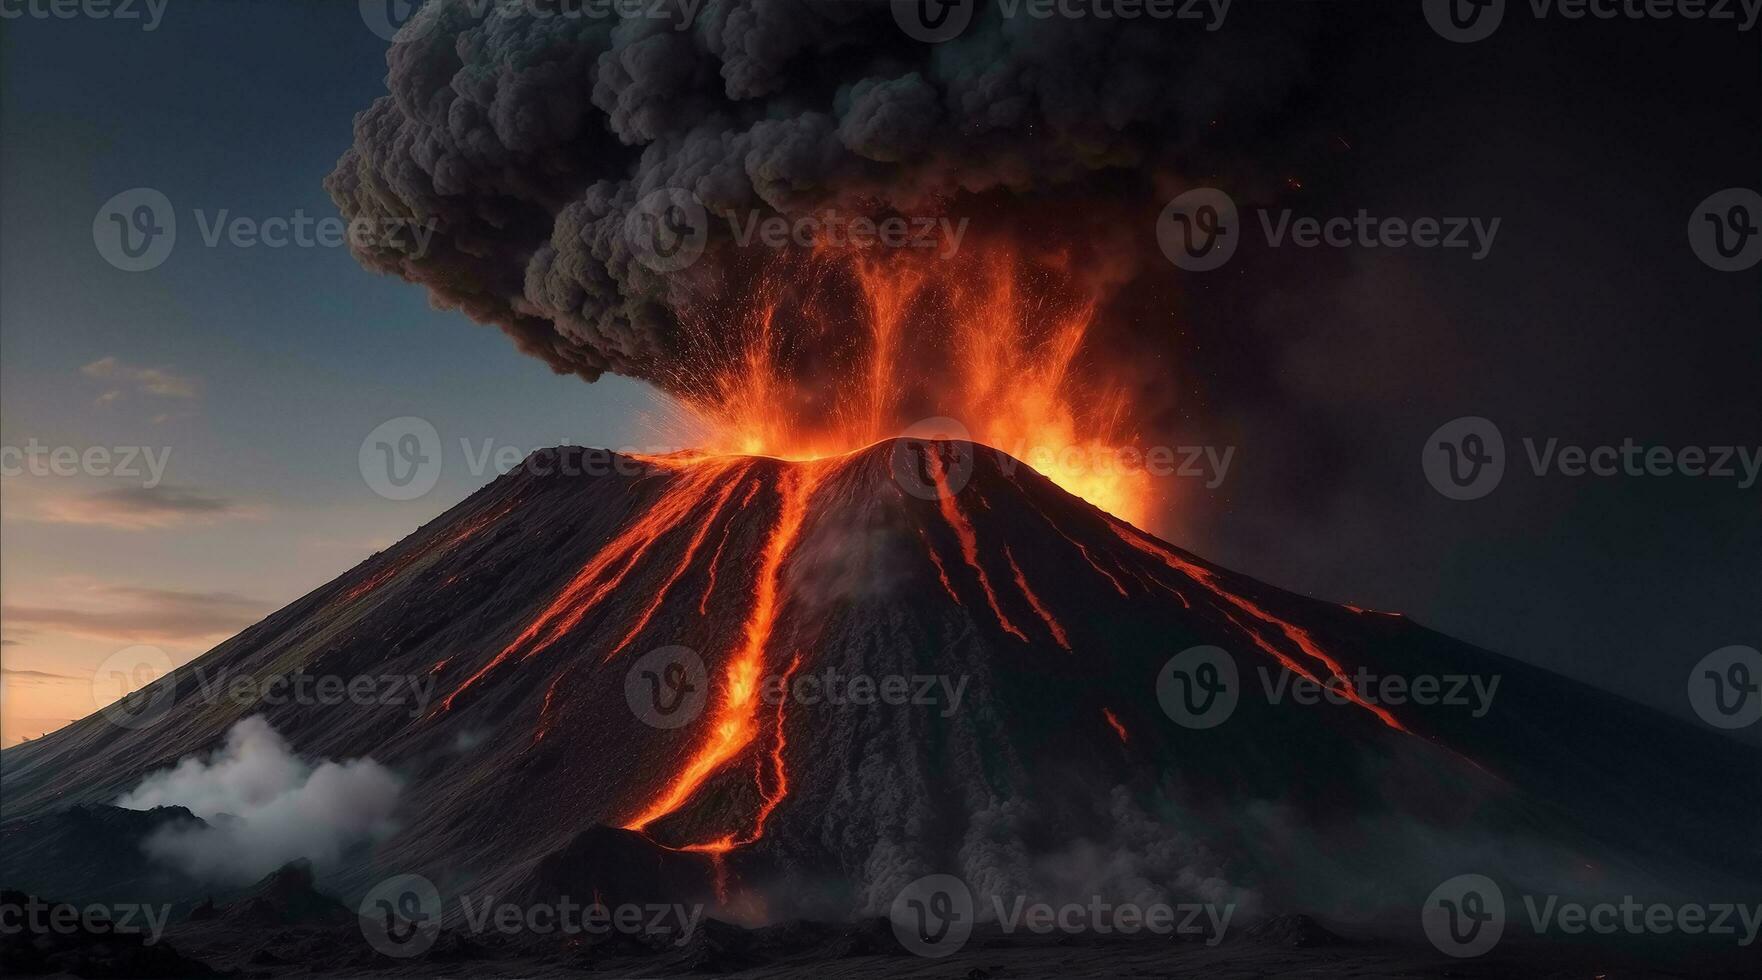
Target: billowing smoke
x,y
264,806
1142,861
525,135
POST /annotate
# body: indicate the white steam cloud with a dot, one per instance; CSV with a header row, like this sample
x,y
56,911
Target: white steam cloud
x,y
265,806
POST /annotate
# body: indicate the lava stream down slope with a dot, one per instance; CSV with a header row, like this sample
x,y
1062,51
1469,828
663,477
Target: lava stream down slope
x,y
984,653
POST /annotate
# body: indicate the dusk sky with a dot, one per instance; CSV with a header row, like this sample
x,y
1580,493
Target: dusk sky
x,y
261,370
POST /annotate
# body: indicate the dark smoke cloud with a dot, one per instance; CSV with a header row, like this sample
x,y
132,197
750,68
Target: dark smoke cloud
x,y
525,141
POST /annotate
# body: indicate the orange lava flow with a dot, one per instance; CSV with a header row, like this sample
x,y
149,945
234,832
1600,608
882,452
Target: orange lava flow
x,y
941,572
672,509
545,718
1121,589
969,540
768,798
703,604
614,562
779,770
1295,634
1058,632
691,547
721,867
1152,582
1113,722
735,723
1371,612
1073,542
833,349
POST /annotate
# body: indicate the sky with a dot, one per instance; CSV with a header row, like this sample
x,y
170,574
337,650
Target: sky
x,y
1590,322
261,370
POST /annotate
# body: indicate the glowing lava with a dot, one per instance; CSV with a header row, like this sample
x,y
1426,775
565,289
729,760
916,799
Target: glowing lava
x,y
839,348
1296,635
1082,549
969,539
1113,722
735,724
703,604
941,570
685,561
1058,632
690,497
779,769
615,561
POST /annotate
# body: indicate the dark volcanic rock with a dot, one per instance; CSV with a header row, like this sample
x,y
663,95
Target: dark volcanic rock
x,y
717,947
93,853
616,867
866,937
1296,931
1041,753
54,938
453,947
288,897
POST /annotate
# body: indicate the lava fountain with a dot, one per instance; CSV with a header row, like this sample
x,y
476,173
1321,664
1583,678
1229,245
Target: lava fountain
x,y
835,348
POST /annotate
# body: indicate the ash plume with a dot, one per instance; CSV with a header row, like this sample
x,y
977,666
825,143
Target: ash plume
x,y
525,138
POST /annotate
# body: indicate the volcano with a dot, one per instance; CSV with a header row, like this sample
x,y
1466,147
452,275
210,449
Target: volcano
x,y
997,693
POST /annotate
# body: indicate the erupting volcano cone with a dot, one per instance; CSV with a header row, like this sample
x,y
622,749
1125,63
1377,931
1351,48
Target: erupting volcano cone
x,y
977,668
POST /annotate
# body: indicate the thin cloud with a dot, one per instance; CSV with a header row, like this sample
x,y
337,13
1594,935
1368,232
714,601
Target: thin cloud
x,y
142,508
131,379
35,676
136,615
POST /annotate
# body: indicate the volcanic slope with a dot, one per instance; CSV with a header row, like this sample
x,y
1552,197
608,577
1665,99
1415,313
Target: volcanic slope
x,y
1033,629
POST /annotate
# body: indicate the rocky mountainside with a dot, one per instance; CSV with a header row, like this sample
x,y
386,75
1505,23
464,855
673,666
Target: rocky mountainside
x,y
1005,687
